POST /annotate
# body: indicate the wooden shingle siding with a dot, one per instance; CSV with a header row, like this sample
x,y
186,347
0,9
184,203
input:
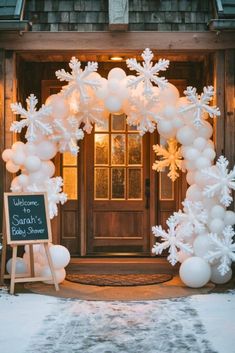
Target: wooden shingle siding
x,y
144,15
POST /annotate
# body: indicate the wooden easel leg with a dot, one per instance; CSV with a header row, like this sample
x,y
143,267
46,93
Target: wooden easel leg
x,y
51,266
3,258
31,258
13,269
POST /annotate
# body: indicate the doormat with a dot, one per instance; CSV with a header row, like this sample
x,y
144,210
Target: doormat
x,y
116,280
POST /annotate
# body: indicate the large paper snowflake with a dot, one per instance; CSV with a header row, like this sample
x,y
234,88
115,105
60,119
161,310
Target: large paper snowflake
x,y
192,220
78,80
68,135
142,115
199,104
221,181
171,158
90,113
147,73
170,240
224,249
53,188
31,118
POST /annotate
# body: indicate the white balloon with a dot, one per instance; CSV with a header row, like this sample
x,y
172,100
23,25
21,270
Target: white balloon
x,y
195,272
20,268
59,106
229,218
194,193
199,143
202,162
190,165
202,244
113,104
102,91
60,256
23,180
15,186
182,256
48,168
113,86
200,179
7,154
32,164
30,149
217,211
18,157
11,167
208,203
169,111
190,177
186,135
46,150
177,123
205,130
216,276
59,274
216,225
169,94
209,153
191,153
36,248
116,73
18,146
165,127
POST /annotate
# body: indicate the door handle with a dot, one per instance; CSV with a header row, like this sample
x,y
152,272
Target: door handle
x,y
147,193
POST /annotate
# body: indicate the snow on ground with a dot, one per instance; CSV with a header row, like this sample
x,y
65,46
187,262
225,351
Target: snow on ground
x,y
198,324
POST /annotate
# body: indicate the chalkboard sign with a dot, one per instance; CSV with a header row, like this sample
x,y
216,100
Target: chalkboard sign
x,y
27,219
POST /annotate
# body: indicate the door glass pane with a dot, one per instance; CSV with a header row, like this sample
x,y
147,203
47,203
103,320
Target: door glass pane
x,y
134,184
69,159
134,148
118,122
166,187
70,182
101,183
101,148
103,127
118,148
132,128
118,183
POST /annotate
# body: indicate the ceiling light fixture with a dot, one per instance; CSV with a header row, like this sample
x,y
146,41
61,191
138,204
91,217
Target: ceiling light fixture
x,y
116,58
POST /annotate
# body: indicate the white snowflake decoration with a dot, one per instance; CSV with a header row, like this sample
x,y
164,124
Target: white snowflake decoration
x,y
221,181
199,104
224,249
192,220
170,240
90,113
53,187
31,118
78,80
171,158
142,115
147,73
68,135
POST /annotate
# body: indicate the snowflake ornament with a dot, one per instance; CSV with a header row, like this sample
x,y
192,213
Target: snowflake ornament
x,y
68,135
192,220
31,118
78,80
170,240
53,188
90,113
171,158
142,115
222,181
199,104
224,249
147,73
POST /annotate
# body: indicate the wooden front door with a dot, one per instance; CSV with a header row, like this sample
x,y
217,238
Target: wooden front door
x,y
117,189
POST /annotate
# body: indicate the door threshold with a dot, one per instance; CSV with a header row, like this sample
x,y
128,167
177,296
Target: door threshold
x,y
130,260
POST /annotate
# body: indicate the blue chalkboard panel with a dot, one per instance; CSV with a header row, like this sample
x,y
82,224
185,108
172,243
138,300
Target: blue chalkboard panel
x,y
27,218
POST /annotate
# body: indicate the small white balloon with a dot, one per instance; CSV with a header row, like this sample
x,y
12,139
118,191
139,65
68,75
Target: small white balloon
x,y
117,73
202,163
60,256
59,106
195,272
20,267
194,193
113,104
32,164
191,153
205,130
18,157
216,225
209,153
217,211
102,91
18,146
48,168
46,150
229,218
182,256
23,180
59,274
186,135
11,167
7,154
202,244
199,143
190,177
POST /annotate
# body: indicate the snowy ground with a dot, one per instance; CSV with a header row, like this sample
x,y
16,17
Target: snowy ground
x,y
199,324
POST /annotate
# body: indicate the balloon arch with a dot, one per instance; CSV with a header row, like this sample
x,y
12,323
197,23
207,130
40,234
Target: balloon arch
x,y
200,236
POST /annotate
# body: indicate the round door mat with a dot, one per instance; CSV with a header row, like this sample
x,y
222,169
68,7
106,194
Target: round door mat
x,y
116,280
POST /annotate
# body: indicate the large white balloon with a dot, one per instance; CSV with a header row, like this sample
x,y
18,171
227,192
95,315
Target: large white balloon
x,y
195,272
20,268
60,256
59,274
59,106
217,211
202,244
216,225
216,276
46,150
194,193
186,135
113,104
116,73
32,164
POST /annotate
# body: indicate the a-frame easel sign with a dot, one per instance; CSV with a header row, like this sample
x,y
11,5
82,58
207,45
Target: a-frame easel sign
x,y
26,221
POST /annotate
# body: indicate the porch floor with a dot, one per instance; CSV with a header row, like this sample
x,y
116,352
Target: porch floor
x,y
171,289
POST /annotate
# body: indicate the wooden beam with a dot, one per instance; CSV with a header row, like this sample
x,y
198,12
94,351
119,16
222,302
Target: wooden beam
x,y
117,41
219,84
118,15
2,132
